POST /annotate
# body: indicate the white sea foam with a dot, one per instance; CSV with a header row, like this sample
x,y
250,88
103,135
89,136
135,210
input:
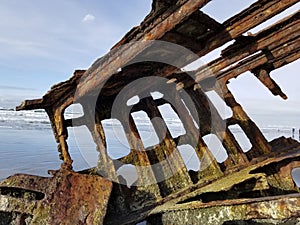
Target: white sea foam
x,y
24,120
38,119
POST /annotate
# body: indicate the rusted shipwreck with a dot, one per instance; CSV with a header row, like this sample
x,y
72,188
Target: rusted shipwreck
x,y
253,187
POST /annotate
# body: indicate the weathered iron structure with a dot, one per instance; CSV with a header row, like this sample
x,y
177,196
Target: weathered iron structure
x,y
253,187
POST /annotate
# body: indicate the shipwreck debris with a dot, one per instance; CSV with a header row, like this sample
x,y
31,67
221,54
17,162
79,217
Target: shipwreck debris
x,y
247,187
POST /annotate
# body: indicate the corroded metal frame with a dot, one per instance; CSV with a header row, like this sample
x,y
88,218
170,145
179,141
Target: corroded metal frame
x,y
242,188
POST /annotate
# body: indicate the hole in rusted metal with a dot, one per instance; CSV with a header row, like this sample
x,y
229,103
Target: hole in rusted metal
x,y
21,193
116,141
132,101
8,218
212,9
145,129
250,83
216,147
194,65
194,119
172,120
156,95
240,137
129,173
82,148
215,53
296,176
224,111
74,111
189,157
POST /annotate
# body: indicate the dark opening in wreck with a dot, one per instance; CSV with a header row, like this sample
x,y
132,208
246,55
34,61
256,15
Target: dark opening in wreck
x,y
253,187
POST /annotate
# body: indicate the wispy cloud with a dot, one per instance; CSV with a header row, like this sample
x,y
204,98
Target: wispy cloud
x,y
88,18
7,87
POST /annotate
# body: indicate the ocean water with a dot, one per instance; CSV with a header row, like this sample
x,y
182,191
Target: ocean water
x,y
27,144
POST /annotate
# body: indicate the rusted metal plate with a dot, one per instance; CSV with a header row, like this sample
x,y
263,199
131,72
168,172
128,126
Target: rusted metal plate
x,y
66,198
274,210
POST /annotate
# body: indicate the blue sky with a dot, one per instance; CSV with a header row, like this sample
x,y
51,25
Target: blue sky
x,y
43,42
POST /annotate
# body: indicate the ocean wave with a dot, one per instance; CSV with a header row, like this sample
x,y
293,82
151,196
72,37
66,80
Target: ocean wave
x,y
38,119
5,127
24,120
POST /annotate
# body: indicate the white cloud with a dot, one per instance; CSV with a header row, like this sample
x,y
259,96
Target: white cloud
x,y
88,18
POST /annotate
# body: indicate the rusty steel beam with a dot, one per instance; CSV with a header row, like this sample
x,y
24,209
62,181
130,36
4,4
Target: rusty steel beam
x,y
41,103
107,66
288,49
173,169
269,210
219,187
251,17
276,35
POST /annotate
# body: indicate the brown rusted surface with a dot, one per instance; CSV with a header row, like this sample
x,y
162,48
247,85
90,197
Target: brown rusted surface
x,y
65,198
253,187
271,210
